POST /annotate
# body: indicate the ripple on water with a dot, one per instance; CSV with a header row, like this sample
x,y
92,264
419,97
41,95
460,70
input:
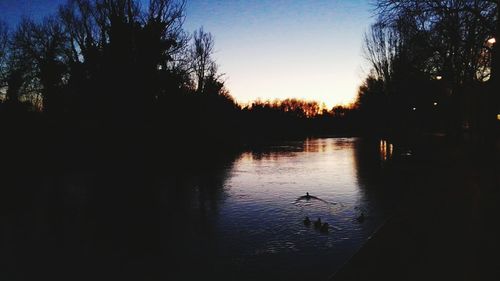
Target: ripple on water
x,y
262,218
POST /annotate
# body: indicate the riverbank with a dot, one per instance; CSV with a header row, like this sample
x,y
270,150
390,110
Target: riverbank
x,y
446,226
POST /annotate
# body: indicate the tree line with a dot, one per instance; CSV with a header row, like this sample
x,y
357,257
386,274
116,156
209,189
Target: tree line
x,y
433,68
117,71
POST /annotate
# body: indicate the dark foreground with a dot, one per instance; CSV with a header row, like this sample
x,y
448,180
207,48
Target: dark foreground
x,y
237,219
218,217
447,227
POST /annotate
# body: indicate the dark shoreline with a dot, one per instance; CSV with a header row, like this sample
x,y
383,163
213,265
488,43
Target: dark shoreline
x,y
450,235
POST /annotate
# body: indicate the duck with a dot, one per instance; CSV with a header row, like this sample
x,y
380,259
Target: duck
x,y
324,228
307,221
307,197
317,223
361,218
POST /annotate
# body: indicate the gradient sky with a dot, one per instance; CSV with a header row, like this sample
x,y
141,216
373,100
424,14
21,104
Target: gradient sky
x,y
270,48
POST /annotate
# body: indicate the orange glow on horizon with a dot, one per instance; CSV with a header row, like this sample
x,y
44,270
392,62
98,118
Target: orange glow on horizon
x,y
277,102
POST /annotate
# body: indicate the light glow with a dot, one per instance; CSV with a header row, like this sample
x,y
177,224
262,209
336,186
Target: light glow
x,y
386,150
286,49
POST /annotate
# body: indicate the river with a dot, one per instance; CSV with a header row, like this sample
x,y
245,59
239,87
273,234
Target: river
x,y
240,218
244,220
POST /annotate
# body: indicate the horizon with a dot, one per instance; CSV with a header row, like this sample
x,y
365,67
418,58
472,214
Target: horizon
x,y
256,45
216,140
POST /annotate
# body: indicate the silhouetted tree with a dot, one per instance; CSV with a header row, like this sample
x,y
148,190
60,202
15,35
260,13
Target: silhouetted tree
x,y
461,27
41,51
122,54
122,73
373,105
421,50
11,71
201,57
380,51
4,39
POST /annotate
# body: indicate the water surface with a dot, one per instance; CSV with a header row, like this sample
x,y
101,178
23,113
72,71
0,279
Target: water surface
x,y
252,226
231,217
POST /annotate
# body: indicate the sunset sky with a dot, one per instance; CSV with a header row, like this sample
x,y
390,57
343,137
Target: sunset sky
x,y
271,48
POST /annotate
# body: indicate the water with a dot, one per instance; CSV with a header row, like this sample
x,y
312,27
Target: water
x,y
252,226
232,219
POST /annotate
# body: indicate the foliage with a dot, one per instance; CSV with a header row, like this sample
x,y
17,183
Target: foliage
x,y
426,56
130,73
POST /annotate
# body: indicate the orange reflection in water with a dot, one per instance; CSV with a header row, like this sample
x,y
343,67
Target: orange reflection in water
x,y
386,150
323,167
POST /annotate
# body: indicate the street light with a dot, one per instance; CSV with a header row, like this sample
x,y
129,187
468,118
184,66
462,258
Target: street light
x,y
492,40
439,77
435,103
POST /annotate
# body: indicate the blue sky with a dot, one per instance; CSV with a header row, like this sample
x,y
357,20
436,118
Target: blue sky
x,y
271,48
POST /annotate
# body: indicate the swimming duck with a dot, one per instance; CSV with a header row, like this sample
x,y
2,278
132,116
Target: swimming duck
x,y
361,217
317,223
307,221
324,227
307,197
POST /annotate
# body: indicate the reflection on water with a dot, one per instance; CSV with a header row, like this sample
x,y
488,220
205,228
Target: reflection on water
x,y
258,232
386,150
234,219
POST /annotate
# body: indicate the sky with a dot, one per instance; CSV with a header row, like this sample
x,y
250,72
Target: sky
x,y
270,49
